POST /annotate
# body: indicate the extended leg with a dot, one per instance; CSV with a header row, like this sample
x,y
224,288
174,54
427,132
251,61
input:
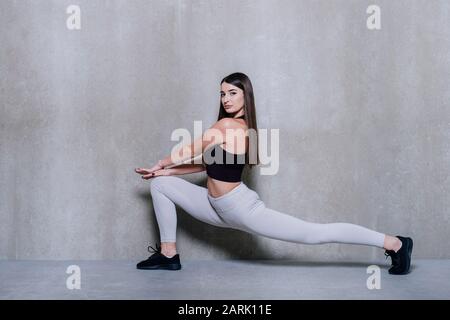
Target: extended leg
x,y
277,225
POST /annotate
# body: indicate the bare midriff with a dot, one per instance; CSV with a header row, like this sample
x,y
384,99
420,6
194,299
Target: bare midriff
x,y
217,188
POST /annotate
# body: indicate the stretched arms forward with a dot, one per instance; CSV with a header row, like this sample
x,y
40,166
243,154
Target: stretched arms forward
x,y
183,157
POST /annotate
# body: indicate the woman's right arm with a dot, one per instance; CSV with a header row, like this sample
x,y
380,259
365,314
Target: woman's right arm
x,y
212,136
158,170
185,169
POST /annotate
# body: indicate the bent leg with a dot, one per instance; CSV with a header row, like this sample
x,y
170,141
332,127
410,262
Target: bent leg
x,y
277,225
168,191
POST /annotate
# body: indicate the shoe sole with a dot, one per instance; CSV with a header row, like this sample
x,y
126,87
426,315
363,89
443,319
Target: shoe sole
x,y
409,248
162,267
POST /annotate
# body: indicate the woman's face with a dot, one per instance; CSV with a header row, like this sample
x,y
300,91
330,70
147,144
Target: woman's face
x,y
232,98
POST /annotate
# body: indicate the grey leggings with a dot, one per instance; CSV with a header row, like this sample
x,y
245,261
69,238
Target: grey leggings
x,y
242,209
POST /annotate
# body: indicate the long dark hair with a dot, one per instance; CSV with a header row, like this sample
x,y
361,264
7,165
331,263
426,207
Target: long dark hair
x,y
241,81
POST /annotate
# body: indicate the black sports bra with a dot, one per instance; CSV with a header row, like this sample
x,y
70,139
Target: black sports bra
x,y
230,166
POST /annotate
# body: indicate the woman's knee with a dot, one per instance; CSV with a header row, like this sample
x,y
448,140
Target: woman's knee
x,y
319,233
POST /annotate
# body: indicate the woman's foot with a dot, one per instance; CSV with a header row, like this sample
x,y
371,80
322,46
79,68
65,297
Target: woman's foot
x,y
401,258
160,261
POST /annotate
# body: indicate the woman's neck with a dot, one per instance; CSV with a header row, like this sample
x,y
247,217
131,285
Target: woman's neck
x,y
238,115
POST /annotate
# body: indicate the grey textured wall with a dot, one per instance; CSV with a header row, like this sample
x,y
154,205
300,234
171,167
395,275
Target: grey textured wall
x,y
363,114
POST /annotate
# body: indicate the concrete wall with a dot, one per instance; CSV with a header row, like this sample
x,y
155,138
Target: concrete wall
x,y
363,114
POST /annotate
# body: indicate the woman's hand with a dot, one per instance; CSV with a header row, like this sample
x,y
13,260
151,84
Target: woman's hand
x,y
148,171
155,171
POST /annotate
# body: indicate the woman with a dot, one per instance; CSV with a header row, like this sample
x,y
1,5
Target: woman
x,y
228,202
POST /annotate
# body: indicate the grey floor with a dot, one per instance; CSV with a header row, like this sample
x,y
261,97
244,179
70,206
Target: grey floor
x,y
230,279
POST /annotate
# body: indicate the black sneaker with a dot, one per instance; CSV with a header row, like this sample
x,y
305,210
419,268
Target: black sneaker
x,y
401,260
160,261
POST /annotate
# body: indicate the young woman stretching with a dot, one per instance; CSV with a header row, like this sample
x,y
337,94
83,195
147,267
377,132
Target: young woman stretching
x,y
229,203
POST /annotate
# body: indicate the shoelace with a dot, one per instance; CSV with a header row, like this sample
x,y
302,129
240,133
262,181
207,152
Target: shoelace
x,y
157,250
394,256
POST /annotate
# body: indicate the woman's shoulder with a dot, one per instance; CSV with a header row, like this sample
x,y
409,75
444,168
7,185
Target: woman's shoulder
x,y
234,129
231,123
